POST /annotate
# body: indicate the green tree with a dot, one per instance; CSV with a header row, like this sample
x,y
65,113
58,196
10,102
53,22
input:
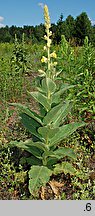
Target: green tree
x,y
14,30
5,34
82,28
70,27
66,28
93,35
39,32
59,30
54,30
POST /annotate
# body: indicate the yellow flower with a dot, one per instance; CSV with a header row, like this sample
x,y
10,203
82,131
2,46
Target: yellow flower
x,y
53,55
44,59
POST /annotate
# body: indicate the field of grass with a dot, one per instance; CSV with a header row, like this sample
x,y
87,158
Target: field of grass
x,y
73,178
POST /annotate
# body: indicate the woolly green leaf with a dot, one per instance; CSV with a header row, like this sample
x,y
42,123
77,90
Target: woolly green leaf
x,y
35,151
31,160
64,167
56,114
65,131
39,176
51,154
48,85
42,110
49,118
31,125
28,112
56,96
39,145
42,99
35,148
64,151
47,132
51,161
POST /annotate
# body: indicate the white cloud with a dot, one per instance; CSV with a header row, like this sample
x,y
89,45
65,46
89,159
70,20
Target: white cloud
x,y
41,5
1,20
93,22
2,25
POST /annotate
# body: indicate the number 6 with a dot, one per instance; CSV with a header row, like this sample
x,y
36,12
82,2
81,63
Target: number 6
x,y
88,207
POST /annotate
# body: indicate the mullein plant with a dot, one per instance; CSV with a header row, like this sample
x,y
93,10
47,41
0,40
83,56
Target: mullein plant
x,y
47,127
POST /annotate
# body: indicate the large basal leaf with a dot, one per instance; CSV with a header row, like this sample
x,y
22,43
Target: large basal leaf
x,y
31,125
20,144
39,145
35,148
64,167
35,151
51,161
28,112
42,99
32,160
65,131
56,114
47,132
64,151
39,176
48,85
51,154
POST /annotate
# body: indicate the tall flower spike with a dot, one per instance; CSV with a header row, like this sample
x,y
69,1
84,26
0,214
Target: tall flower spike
x,y
48,34
47,18
49,60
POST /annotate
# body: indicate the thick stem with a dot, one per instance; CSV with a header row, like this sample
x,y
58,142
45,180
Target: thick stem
x,y
44,160
48,52
48,59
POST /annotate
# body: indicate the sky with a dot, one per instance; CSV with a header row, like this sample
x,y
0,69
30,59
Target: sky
x,y
30,12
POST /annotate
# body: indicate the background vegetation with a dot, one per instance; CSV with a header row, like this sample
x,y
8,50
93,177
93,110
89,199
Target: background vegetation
x,y
74,30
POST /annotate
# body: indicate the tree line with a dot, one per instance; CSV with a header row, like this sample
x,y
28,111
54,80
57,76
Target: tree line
x,y
74,30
